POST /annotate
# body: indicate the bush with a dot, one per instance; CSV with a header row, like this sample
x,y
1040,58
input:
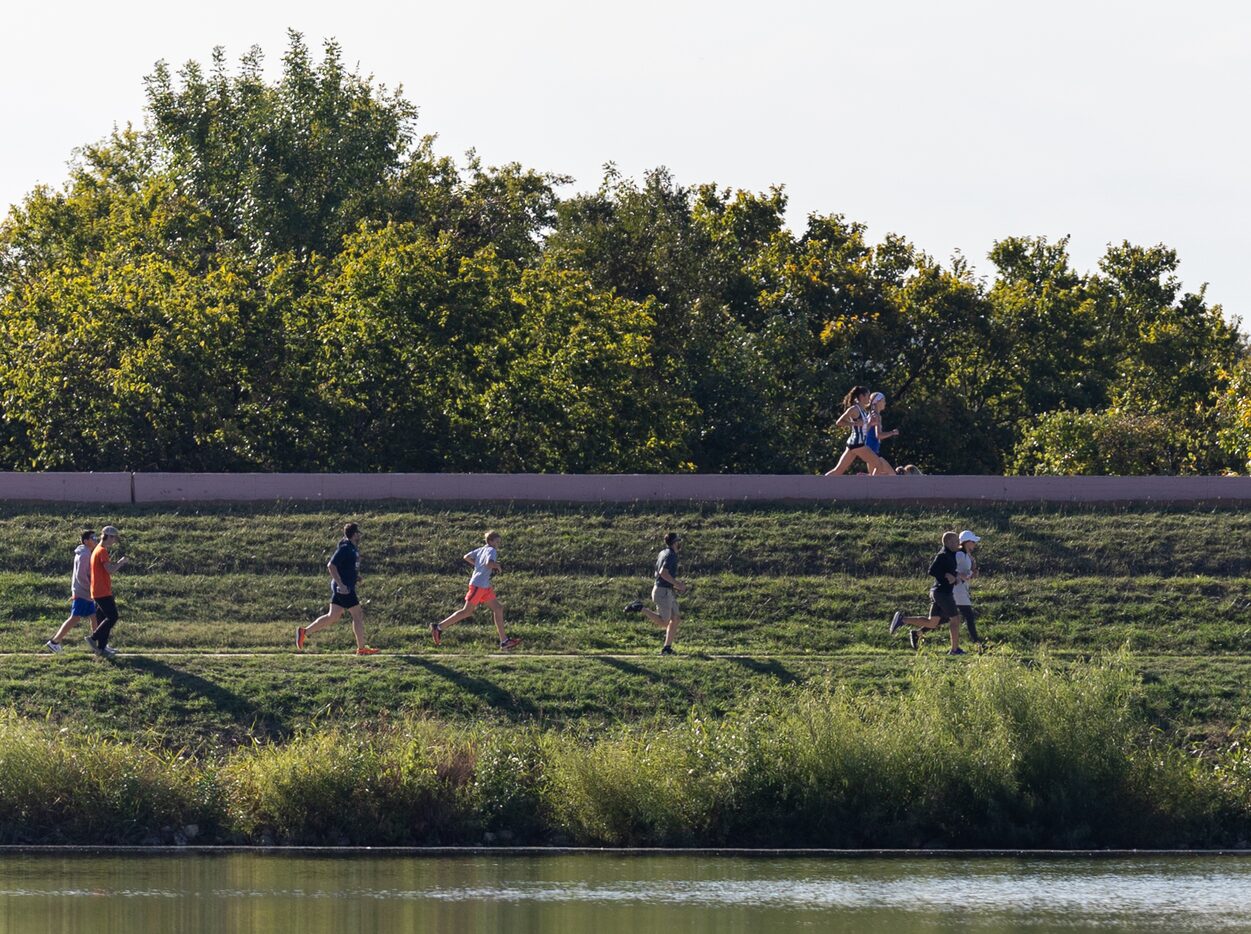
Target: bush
x,y
1112,443
352,788
992,752
56,787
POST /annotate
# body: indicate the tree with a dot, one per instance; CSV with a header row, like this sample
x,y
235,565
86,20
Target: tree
x,y
288,167
1110,442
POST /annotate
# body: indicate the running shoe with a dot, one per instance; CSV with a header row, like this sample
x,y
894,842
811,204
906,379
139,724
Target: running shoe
x,y
436,633
956,652
510,643
54,647
366,650
667,650
300,636
896,621
109,652
914,639
95,646
635,607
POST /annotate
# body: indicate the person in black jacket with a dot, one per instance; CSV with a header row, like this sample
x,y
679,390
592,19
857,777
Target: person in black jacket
x,y
942,601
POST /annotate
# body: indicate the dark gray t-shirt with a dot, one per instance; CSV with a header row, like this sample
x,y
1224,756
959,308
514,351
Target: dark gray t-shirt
x,y
667,560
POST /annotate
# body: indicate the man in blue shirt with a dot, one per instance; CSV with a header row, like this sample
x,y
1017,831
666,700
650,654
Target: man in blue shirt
x,y
344,568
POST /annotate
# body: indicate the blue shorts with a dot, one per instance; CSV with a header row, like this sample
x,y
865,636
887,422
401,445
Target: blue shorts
x,y
83,607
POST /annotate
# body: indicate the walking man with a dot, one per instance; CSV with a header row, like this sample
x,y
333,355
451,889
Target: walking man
x,y
485,563
344,568
665,592
942,604
81,605
102,570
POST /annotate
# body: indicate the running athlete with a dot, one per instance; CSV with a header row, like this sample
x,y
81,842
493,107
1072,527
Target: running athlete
x,y
856,417
102,569
665,592
966,570
942,604
344,568
874,437
485,562
81,605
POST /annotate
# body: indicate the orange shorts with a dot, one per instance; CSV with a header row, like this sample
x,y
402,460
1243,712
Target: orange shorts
x,y
475,595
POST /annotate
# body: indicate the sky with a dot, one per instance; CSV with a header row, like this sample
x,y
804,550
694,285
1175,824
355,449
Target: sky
x,y
952,122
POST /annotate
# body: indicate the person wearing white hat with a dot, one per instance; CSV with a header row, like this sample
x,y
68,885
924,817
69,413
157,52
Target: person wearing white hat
x,y
966,570
875,436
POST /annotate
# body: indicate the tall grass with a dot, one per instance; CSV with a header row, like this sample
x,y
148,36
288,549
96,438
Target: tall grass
x,y
995,752
59,787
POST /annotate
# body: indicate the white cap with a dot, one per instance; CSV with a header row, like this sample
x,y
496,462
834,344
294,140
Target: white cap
x,y
967,536
110,530
876,398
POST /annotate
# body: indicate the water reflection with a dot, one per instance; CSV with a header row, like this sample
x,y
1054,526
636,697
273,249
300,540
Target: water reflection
x,y
607,894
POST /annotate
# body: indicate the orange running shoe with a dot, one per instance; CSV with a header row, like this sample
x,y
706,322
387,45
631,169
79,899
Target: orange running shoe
x,y
366,650
300,635
509,644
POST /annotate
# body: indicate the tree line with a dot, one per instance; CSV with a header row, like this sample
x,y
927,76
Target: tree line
x,y
282,275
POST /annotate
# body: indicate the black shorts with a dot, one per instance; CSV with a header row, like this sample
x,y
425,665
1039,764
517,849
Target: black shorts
x,y
943,604
970,616
345,600
856,447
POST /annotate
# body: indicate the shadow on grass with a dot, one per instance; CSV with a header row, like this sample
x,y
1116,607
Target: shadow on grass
x,y
487,691
768,666
630,668
185,686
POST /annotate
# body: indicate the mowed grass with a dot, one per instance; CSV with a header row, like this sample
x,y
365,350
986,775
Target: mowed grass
x,y
802,592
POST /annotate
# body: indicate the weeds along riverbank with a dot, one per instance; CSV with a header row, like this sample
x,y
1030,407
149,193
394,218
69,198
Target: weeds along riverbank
x,y
999,752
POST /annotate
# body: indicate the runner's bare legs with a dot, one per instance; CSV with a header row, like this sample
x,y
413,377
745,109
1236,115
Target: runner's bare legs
x,y
459,616
358,625
326,619
70,624
497,611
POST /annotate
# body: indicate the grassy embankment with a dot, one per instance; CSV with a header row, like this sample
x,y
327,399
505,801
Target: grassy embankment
x,y
789,718
989,753
797,594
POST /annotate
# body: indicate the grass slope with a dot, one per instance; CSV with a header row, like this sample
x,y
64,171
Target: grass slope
x,y
803,592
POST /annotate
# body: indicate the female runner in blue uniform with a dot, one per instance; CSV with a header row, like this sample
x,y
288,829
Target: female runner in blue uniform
x,y
856,417
874,436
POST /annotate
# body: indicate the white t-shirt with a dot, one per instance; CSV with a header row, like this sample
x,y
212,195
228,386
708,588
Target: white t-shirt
x,y
481,558
964,565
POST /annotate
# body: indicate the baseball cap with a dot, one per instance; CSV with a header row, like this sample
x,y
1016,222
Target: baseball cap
x,y
967,536
110,530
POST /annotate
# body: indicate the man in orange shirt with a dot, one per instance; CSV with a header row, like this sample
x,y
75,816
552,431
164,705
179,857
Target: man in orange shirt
x,y
102,591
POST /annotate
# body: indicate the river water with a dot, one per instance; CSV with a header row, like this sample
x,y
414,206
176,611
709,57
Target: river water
x,y
605,894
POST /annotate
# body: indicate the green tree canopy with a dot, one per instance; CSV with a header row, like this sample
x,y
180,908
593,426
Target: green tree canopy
x,y
282,274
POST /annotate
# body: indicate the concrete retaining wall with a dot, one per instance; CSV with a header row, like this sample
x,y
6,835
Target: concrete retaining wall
x,y
66,487
611,488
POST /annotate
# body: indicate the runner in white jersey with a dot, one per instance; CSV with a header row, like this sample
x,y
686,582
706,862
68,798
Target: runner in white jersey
x,y
485,563
966,570
856,417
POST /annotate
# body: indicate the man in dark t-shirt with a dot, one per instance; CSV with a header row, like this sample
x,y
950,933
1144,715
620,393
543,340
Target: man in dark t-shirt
x,y
942,602
344,568
665,590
